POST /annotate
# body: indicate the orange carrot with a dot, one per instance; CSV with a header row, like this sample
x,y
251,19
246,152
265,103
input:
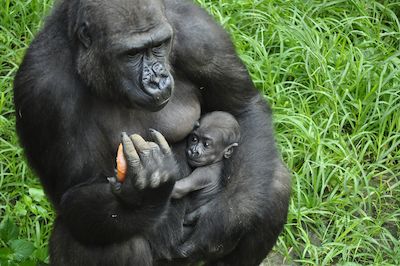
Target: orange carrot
x,y
121,164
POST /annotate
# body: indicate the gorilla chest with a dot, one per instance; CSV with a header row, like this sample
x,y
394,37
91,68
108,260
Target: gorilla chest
x,y
175,121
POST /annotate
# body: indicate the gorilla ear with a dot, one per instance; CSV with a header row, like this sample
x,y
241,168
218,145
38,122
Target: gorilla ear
x,y
83,34
229,150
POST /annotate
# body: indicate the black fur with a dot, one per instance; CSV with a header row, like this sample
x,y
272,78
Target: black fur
x,y
212,140
83,82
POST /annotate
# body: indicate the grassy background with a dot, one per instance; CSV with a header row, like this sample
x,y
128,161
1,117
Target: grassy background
x,y
331,72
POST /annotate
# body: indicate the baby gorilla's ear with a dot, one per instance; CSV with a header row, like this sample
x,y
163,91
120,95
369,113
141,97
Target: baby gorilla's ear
x,y
196,125
229,150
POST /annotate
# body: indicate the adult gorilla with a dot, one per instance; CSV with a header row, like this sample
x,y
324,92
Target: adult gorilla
x,y
102,67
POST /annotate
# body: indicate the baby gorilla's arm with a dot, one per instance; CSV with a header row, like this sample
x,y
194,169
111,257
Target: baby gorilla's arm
x,y
200,178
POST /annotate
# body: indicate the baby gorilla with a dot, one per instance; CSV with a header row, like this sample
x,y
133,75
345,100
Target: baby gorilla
x,y
212,140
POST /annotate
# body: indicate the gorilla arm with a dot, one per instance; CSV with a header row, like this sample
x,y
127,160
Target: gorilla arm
x,y
72,157
255,198
108,213
201,177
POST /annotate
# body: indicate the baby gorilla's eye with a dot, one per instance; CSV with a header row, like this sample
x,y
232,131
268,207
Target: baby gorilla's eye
x,y
207,144
194,139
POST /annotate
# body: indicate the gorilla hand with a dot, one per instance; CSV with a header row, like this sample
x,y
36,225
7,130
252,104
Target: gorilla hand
x,y
151,171
207,230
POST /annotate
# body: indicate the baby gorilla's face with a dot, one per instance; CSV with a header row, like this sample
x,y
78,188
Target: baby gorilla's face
x,y
205,148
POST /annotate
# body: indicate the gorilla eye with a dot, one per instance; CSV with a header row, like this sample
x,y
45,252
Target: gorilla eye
x,y
159,46
135,51
162,48
207,144
134,54
195,139
159,50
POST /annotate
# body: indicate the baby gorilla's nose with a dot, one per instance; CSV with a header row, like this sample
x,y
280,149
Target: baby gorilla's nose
x,y
193,152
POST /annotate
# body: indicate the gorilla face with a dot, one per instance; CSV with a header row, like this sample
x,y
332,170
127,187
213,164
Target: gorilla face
x,y
205,147
212,139
145,77
123,52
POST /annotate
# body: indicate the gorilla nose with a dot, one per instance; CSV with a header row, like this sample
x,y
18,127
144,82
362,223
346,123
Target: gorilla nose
x,y
193,153
158,67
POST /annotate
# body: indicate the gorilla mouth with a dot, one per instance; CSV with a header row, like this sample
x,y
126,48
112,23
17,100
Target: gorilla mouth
x,y
159,104
162,102
158,90
195,163
138,98
158,98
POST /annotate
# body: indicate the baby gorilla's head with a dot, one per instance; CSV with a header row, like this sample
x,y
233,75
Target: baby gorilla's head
x,y
212,139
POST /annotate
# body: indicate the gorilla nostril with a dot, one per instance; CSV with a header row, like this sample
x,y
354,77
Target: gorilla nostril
x,y
157,68
146,79
164,83
193,152
147,71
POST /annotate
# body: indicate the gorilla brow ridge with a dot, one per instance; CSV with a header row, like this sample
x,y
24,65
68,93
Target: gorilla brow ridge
x,y
225,123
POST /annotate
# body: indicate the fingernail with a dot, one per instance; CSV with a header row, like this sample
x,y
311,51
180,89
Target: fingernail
x,y
112,180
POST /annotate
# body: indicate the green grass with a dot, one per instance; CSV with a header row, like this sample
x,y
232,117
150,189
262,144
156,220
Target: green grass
x,y
25,214
331,72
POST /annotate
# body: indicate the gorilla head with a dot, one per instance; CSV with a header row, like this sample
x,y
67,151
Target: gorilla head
x,y
122,50
213,139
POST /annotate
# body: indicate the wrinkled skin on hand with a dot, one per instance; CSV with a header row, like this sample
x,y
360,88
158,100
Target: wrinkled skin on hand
x,y
149,175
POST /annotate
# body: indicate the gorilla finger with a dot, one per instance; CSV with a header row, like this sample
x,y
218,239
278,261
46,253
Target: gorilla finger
x,y
161,141
156,153
115,185
141,182
153,146
155,179
165,176
142,146
176,194
130,152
